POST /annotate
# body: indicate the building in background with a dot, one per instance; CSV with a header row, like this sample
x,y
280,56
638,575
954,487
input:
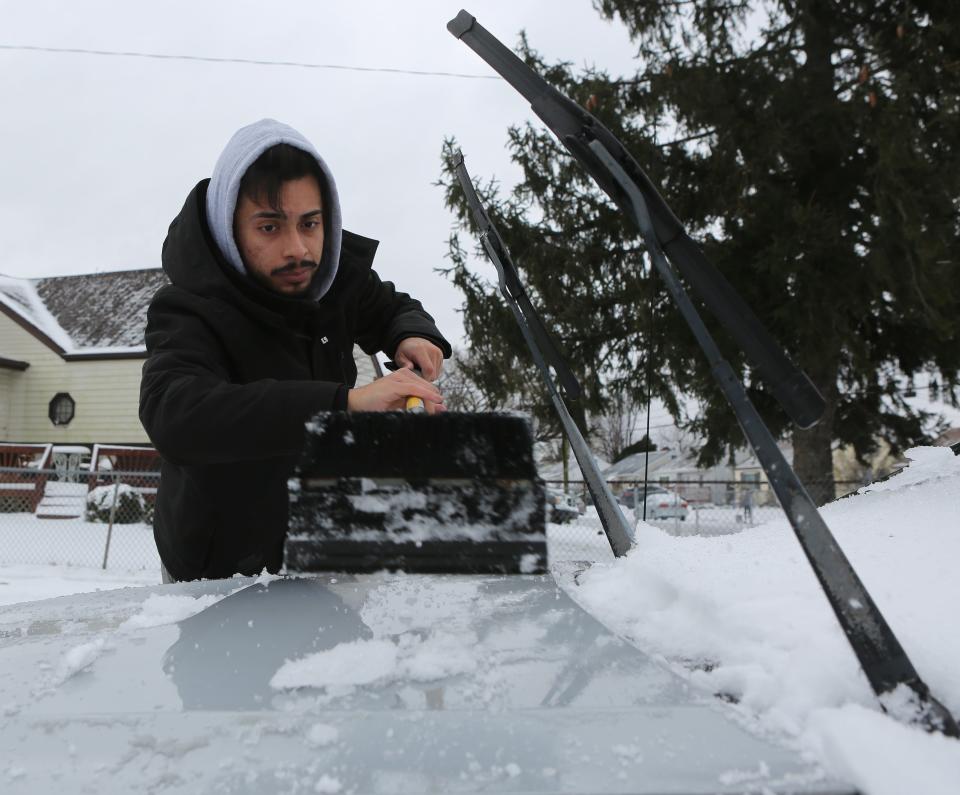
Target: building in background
x,y
71,351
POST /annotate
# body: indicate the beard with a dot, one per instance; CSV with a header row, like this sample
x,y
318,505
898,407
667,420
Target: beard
x,y
290,267
299,291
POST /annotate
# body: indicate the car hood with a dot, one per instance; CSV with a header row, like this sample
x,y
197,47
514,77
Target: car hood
x,y
375,683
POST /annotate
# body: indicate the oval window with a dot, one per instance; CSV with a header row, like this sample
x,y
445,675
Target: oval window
x,y
62,409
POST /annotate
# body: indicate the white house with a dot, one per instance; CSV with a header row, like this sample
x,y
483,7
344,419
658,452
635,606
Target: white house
x,y
678,470
71,351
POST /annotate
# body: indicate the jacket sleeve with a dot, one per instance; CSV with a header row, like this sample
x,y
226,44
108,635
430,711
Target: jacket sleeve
x,y
386,316
191,411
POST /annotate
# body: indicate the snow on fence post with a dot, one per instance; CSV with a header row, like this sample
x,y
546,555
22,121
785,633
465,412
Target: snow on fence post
x,y
113,514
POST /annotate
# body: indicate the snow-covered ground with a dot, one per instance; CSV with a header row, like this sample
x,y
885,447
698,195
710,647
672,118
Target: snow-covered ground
x,y
742,615
44,558
75,542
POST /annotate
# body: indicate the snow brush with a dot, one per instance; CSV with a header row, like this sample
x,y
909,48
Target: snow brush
x,y
453,492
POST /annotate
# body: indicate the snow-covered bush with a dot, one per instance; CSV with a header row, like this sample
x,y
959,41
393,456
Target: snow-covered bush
x,y
131,506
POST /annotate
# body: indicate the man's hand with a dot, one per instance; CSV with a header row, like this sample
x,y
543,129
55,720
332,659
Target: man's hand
x,y
418,352
390,393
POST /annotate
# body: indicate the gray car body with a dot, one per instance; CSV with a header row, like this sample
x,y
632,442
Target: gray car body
x,y
526,693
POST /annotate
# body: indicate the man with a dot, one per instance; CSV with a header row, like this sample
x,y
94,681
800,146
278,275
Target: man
x,y
255,335
746,502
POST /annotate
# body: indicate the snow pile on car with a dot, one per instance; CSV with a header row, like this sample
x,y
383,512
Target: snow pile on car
x,y
158,610
412,658
744,617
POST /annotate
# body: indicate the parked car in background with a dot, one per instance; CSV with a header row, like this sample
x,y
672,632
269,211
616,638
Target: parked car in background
x,y
628,495
561,507
666,505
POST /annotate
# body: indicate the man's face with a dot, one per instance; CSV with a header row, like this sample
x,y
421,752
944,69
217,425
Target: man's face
x,y
281,248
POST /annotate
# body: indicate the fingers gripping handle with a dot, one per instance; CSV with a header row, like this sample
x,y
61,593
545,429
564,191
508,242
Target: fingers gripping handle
x,y
413,403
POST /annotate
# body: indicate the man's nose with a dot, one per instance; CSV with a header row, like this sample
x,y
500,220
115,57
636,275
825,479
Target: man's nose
x,y
295,246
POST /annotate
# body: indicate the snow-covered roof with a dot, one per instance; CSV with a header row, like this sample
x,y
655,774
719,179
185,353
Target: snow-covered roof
x,y
101,314
629,468
554,471
633,466
94,313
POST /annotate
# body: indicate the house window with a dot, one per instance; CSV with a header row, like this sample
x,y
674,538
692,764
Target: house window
x,y
62,409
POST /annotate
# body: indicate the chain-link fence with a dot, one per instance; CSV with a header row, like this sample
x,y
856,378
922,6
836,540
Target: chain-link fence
x,y
77,518
680,508
105,518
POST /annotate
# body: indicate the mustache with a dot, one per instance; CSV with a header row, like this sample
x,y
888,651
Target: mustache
x,y
290,267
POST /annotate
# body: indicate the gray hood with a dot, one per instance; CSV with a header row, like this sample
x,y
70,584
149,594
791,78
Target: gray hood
x,y
242,150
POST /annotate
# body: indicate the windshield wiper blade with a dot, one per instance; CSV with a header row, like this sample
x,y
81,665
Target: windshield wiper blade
x,y
880,654
545,354
510,285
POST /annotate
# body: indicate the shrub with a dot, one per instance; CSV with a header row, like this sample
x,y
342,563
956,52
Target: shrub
x,y
131,506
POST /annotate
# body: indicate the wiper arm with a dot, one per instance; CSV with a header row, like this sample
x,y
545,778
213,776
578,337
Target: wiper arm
x,y
576,128
541,347
510,286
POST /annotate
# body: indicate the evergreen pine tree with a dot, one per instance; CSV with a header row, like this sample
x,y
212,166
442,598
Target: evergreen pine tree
x,y
813,149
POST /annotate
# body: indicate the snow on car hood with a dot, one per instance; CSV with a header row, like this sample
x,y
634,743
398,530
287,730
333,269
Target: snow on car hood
x,y
379,683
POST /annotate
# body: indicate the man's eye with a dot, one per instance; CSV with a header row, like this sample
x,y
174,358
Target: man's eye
x,y
311,224
268,227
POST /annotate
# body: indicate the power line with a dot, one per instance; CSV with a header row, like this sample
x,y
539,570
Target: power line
x,y
248,61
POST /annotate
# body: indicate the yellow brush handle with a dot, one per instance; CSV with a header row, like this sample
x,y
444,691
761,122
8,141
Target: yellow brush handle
x,y
415,404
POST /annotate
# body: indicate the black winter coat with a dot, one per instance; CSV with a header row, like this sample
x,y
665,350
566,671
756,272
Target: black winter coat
x,y
233,373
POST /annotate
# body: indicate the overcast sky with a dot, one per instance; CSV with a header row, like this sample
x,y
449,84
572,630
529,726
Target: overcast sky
x,y
97,154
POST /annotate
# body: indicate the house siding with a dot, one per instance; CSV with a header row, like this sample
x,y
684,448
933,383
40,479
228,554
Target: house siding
x,y
106,393
6,384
